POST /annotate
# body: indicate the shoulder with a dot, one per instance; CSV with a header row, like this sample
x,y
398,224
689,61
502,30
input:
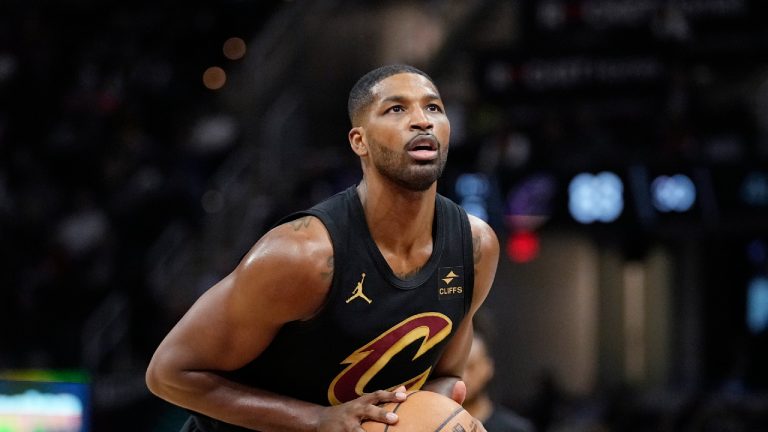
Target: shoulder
x,y
485,256
484,239
294,240
290,264
485,243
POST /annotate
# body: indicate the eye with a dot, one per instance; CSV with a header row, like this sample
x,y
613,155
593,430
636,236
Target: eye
x,y
434,108
396,109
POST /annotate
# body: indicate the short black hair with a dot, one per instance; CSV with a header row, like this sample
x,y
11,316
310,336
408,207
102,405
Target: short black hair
x,y
361,96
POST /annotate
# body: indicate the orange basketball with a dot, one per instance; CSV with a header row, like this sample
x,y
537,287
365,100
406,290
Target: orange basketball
x,y
425,411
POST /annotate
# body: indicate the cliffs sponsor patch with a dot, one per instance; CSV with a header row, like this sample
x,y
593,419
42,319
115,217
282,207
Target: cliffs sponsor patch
x,y
450,283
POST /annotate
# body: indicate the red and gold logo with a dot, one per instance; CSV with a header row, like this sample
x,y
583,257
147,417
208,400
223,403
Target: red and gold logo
x,y
366,362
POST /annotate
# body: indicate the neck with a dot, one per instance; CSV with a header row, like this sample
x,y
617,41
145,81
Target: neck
x,y
397,218
481,407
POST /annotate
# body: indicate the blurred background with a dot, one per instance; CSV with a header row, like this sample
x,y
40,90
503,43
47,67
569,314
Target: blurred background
x,y
619,149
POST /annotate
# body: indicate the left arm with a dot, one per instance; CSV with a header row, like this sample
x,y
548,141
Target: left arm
x,y
450,368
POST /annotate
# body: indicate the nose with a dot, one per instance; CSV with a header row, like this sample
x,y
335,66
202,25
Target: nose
x,y
420,121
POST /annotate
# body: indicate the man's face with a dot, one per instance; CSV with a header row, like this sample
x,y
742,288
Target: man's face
x,y
407,131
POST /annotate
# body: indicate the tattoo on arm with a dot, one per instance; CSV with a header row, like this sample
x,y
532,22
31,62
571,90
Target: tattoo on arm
x,y
301,223
328,274
477,252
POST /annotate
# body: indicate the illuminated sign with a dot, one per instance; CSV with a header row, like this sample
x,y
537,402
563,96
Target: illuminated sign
x,y
596,197
675,193
472,190
44,401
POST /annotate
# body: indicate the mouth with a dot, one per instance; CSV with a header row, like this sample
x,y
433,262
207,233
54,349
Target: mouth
x,y
423,147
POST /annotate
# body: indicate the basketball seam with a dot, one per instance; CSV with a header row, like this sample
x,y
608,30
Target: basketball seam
x,y
397,407
454,414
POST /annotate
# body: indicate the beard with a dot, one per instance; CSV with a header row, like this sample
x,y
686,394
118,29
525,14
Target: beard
x,y
405,172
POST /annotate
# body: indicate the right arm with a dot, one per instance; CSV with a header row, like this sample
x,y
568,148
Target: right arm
x,y
284,277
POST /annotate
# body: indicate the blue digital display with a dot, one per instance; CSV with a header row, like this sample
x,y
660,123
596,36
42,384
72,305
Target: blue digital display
x,y
43,401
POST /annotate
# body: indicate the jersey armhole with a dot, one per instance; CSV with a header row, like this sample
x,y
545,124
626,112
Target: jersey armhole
x,y
469,258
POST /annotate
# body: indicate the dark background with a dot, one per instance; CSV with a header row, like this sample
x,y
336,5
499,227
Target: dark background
x,y
127,187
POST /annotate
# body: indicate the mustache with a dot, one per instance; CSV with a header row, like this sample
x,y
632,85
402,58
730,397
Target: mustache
x,y
423,140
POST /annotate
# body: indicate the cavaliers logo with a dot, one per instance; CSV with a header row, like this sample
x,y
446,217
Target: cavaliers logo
x,y
366,362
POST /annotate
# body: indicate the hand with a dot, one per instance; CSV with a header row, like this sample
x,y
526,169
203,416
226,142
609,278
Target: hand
x,y
348,416
459,392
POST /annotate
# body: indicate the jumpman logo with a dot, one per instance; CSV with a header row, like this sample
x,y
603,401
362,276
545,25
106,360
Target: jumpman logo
x,y
358,292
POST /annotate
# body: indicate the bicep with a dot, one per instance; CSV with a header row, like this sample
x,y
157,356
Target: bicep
x,y
235,320
217,333
485,251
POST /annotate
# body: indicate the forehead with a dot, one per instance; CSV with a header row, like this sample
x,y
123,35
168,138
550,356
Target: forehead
x,y
404,85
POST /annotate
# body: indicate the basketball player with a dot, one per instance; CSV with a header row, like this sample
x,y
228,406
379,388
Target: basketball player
x,y
346,305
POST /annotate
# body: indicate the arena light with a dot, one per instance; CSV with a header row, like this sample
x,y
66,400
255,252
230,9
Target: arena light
x,y
530,201
596,197
675,193
757,305
234,48
472,190
522,246
472,184
214,78
475,206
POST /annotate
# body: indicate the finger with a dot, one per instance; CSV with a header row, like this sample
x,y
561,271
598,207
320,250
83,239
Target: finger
x,y
399,394
382,396
379,414
459,392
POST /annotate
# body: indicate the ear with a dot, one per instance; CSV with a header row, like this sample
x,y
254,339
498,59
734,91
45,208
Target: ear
x,y
357,141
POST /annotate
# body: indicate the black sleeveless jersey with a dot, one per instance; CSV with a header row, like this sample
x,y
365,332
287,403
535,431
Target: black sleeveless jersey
x,y
376,331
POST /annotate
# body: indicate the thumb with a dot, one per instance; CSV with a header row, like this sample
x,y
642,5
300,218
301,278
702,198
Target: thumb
x,y
459,392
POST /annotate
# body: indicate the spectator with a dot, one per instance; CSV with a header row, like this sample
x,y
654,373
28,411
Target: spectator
x,y
477,375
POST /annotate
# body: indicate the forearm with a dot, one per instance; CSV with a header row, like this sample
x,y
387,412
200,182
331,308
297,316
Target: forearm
x,y
217,397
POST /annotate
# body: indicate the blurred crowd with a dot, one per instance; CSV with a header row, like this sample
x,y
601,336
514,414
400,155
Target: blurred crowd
x,y
97,104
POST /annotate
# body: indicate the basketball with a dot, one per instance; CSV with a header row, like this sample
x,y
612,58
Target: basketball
x,y
425,411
